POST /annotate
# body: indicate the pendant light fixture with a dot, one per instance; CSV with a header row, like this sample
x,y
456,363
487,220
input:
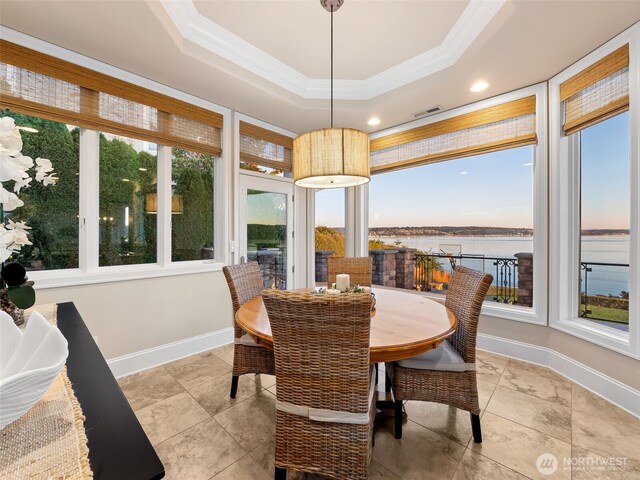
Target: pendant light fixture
x,y
331,157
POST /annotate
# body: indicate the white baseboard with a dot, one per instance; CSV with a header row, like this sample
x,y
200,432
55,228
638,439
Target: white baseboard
x,y
602,385
153,357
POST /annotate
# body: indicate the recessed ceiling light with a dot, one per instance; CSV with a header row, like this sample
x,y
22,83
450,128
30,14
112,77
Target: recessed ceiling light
x,y
464,173
527,164
374,121
479,86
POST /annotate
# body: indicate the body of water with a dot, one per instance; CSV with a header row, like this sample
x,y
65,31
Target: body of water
x,y
603,280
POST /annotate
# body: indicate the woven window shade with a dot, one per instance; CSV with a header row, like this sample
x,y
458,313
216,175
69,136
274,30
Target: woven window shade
x,y
503,126
43,86
598,92
260,146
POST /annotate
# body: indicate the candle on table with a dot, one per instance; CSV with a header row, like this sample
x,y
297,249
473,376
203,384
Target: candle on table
x,y
342,282
366,289
333,291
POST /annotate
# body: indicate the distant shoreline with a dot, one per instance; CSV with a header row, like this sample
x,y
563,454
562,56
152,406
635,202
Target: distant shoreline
x,y
475,231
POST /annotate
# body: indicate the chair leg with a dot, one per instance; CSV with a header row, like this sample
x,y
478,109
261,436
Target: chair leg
x,y
398,419
475,428
376,373
281,474
234,386
387,382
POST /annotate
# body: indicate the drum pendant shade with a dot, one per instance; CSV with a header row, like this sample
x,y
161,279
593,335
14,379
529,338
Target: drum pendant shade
x,y
331,158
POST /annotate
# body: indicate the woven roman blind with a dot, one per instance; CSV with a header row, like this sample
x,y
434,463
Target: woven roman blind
x,y
508,125
598,92
40,85
261,146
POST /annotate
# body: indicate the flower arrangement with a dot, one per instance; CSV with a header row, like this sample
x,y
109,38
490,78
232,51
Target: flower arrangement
x,y
353,289
14,171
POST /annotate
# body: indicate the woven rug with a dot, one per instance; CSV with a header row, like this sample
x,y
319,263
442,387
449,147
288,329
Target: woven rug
x,y
49,441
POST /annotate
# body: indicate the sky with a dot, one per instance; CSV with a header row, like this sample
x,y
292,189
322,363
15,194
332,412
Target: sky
x,y
494,189
605,175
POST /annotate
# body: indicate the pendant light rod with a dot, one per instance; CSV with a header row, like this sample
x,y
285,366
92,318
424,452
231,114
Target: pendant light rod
x,y
332,68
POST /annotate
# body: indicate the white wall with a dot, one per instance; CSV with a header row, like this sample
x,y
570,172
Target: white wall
x,y
131,316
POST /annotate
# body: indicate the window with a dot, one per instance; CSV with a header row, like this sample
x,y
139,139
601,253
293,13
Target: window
x,y
329,228
594,197
466,187
604,222
107,140
52,211
475,211
264,151
191,205
128,186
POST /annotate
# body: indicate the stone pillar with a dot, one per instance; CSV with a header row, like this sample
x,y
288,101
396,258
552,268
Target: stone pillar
x,y
525,278
384,267
321,264
272,268
405,268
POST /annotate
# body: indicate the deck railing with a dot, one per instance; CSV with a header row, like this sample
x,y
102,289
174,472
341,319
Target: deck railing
x,y
596,305
433,269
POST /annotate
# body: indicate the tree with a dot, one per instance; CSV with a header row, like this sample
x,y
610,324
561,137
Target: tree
x,y
192,229
51,211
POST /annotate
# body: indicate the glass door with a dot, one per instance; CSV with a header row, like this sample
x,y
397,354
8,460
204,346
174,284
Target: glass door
x,y
266,228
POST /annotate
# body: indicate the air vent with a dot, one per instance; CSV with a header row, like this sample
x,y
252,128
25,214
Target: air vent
x,y
428,111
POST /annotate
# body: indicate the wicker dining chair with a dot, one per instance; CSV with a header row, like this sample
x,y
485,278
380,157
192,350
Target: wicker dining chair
x,y
245,282
447,374
324,383
358,268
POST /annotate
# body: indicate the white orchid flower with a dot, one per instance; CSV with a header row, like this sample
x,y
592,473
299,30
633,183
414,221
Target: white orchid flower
x,y
16,235
9,200
4,253
13,237
14,167
20,184
10,138
11,225
43,167
14,240
49,180
7,125
10,169
24,161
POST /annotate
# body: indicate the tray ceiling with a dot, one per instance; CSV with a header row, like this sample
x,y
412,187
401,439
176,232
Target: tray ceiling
x,y
270,59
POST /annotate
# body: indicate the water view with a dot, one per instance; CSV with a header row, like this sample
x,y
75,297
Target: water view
x,y
602,280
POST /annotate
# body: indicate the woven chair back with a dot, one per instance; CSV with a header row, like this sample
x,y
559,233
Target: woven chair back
x,y
465,295
245,282
358,268
321,347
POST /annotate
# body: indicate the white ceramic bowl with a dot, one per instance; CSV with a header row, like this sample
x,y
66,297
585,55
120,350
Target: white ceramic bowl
x,y
29,362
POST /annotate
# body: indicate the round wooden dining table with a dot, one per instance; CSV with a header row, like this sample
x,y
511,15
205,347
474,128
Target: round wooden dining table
x,y
403,324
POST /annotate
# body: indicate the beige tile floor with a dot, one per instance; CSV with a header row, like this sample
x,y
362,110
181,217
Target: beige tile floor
x,y
527,410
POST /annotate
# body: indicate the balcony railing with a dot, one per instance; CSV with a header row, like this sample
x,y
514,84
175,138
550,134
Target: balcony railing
x,y
597,300
432,271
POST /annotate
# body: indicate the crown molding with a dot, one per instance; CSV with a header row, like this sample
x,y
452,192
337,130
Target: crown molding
x,y
204,33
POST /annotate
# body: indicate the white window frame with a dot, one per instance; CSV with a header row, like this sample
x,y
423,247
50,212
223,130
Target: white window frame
x,y
564,258
88,271
300,203
537,314
353,202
